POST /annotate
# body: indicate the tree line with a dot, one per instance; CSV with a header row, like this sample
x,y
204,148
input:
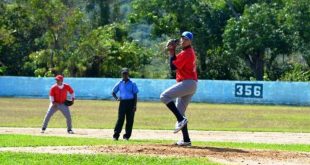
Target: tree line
x,y
233,39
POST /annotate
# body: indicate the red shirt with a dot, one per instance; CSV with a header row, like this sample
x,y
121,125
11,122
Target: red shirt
x,y
60,95
186,65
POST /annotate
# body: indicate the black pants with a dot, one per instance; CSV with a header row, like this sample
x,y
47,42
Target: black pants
x,y
125,110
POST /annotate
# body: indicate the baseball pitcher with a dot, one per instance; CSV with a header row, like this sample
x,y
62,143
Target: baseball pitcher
x,y
186,76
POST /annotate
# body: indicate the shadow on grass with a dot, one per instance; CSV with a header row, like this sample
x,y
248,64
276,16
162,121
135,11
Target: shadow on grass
x,y
213,149
217,149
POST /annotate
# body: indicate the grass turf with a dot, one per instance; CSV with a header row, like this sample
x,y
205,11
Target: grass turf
x,y
8,158
17,112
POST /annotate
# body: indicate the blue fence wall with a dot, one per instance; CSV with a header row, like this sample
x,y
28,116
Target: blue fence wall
x,y
246,92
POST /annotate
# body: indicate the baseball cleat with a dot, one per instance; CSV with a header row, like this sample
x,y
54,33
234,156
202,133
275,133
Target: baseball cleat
x,y
125,138
182,143
180,125
70,132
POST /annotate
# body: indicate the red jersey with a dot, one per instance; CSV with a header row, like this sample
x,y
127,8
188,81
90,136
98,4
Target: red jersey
x,y
186,65
60,95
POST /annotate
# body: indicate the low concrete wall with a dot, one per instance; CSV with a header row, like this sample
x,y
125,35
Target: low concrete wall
x,y
245,92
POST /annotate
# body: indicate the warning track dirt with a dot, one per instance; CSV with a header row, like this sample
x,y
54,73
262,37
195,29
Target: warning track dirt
x,y
219,136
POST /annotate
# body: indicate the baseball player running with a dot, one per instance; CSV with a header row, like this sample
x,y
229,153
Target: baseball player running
x,y
58,97
186,76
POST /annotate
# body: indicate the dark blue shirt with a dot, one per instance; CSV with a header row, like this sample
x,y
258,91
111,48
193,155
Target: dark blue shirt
x,y
126,89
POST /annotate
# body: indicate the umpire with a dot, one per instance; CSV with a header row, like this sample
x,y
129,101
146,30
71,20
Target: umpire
x,y
128,104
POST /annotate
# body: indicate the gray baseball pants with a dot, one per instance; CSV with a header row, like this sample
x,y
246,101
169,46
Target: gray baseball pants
x,y
182,92
64,110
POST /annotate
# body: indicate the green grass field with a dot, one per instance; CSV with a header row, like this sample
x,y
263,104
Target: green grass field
x,y
10,158
7,158
33,141
17,112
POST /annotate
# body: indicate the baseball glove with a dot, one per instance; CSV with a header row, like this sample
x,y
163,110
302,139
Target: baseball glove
x,y
68,103
173,42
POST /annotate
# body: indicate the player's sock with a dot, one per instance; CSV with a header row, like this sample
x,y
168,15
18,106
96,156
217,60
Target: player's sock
x,y
175,111
185,134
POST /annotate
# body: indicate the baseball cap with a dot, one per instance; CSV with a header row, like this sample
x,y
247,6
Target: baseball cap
x,y
124,70
59,77
188,35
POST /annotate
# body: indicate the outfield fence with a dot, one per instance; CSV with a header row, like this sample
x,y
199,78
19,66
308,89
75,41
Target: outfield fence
x,y
210,91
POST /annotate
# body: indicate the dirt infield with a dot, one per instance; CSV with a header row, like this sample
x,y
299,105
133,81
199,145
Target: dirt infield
x,y
220,136
221,155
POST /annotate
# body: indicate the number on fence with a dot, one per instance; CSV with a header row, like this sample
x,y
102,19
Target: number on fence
x,y
249,90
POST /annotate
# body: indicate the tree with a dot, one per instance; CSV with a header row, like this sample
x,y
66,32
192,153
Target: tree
x,y
297,24
18,34
105,50
233,39
209,26
296,73
173,17
6,38
62,28
104,12
256,37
